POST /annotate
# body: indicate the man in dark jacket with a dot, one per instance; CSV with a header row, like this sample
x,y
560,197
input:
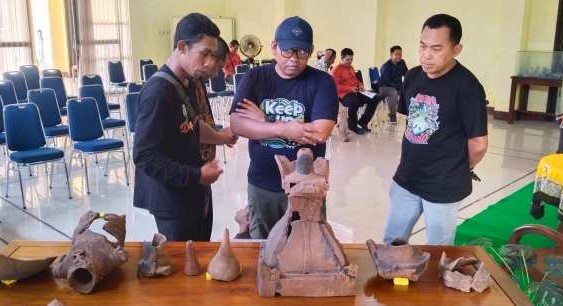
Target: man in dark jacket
x,y
170,174
391,81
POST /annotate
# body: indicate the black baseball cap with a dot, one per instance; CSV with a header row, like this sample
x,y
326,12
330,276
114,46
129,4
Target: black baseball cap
x,y
295,33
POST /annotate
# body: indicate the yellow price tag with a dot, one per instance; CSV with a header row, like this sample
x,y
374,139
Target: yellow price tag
x,y
208,276
8,282
401,281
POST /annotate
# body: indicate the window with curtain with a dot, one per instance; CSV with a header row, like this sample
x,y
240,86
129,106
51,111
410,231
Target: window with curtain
x,y
103,34
15,43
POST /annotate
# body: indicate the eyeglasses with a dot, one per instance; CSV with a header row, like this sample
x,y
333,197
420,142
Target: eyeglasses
x,y
301,54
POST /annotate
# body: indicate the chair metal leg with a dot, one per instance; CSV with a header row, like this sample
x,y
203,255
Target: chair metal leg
x,y
96,155
107,164
126,138
21,186
30,173
7,177
67,180
51,175
224,155
125,167
85,160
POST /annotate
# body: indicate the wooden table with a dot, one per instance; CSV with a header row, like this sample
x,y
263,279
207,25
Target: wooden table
x,y
122,287
524,83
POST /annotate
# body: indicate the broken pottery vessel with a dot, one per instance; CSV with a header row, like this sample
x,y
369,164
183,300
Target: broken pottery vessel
x,y
15,269
224,266
398,259
154,261
92,255
302,256
464,273
191,266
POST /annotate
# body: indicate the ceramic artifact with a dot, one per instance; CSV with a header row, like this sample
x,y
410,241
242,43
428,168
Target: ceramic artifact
x,y
398,259
15,269
191,267
464,273
92,255
302,256
154,261
224,266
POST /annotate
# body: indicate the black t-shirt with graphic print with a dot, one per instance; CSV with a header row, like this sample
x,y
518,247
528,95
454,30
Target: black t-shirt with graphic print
x,y
443,114
308,97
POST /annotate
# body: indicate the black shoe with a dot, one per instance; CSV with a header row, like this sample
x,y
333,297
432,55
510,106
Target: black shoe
x,y
359,131
393,118
365,127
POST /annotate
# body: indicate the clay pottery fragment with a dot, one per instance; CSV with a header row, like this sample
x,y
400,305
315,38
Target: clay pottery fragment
x,y
398,259
15,269
224,266
191,267
154,261
464,273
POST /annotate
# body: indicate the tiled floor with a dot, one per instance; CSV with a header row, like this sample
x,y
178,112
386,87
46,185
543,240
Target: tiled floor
x,y
357,203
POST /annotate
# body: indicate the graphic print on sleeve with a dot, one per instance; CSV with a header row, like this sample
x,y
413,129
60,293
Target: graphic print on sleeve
x,y
422,119
283,110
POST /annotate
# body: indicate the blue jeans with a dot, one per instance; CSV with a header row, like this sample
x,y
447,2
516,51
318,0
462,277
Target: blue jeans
x,y
406,208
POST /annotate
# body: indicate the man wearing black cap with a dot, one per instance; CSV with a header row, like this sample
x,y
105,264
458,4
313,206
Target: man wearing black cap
x,y
281,108
171,177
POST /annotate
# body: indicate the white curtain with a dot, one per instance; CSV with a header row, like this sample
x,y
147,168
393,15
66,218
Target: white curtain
x,y
103,35
15,43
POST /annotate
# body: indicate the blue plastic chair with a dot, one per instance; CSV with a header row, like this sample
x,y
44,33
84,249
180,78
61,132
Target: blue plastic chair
x,y
20,86
31,74
57,84
46,102
116,75
26,143
52,73
237,79
143,62
374,76
148,71
131,106
2,134
95,79
7,92
133,87
242,68
87,134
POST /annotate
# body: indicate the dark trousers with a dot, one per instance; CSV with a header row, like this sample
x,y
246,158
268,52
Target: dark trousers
x,y
180,229
353,101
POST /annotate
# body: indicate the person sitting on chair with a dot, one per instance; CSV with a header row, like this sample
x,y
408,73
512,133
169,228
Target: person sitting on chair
x,y
233,59
326,60
391,80
349,88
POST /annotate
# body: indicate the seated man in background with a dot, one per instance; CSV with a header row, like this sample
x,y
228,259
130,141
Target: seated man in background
x,y
391,80
233,59
326,60
349,87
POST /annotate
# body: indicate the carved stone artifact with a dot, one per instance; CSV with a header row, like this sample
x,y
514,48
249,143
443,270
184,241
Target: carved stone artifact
x,y
464,273
398,259
302,256
92,255
154,261
14,269
191,267
224,266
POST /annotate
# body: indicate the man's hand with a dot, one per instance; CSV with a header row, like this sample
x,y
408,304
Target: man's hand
x,y
230,137
250,110
210,172
303,133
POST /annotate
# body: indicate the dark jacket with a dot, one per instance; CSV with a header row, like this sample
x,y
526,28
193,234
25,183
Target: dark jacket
x,y
392,75
167,160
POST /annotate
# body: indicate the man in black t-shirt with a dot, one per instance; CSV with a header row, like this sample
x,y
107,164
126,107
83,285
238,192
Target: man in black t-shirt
x,y
281,107
445,137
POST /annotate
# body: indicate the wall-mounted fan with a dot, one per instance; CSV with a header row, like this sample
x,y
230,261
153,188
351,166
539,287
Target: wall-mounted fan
x,y
250,46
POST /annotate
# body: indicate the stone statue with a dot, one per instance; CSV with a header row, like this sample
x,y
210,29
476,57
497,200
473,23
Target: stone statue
x,y
454,274
92,255
398,259
301,256
154,261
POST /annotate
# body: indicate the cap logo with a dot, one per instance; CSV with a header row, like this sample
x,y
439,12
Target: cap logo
x,y
297,31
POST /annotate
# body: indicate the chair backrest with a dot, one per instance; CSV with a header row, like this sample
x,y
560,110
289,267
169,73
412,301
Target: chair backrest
x,y
53,72
237,78
218,82
143,62
1,115
91,79
84,120
56,84
7,92
18,79
242,68
24,130
46,102
374,76
359,76
115,71
96,92
133,87
148,71
31,74
131,107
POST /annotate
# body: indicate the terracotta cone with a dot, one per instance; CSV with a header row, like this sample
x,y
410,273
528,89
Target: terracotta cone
x,y
191,267
224,266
